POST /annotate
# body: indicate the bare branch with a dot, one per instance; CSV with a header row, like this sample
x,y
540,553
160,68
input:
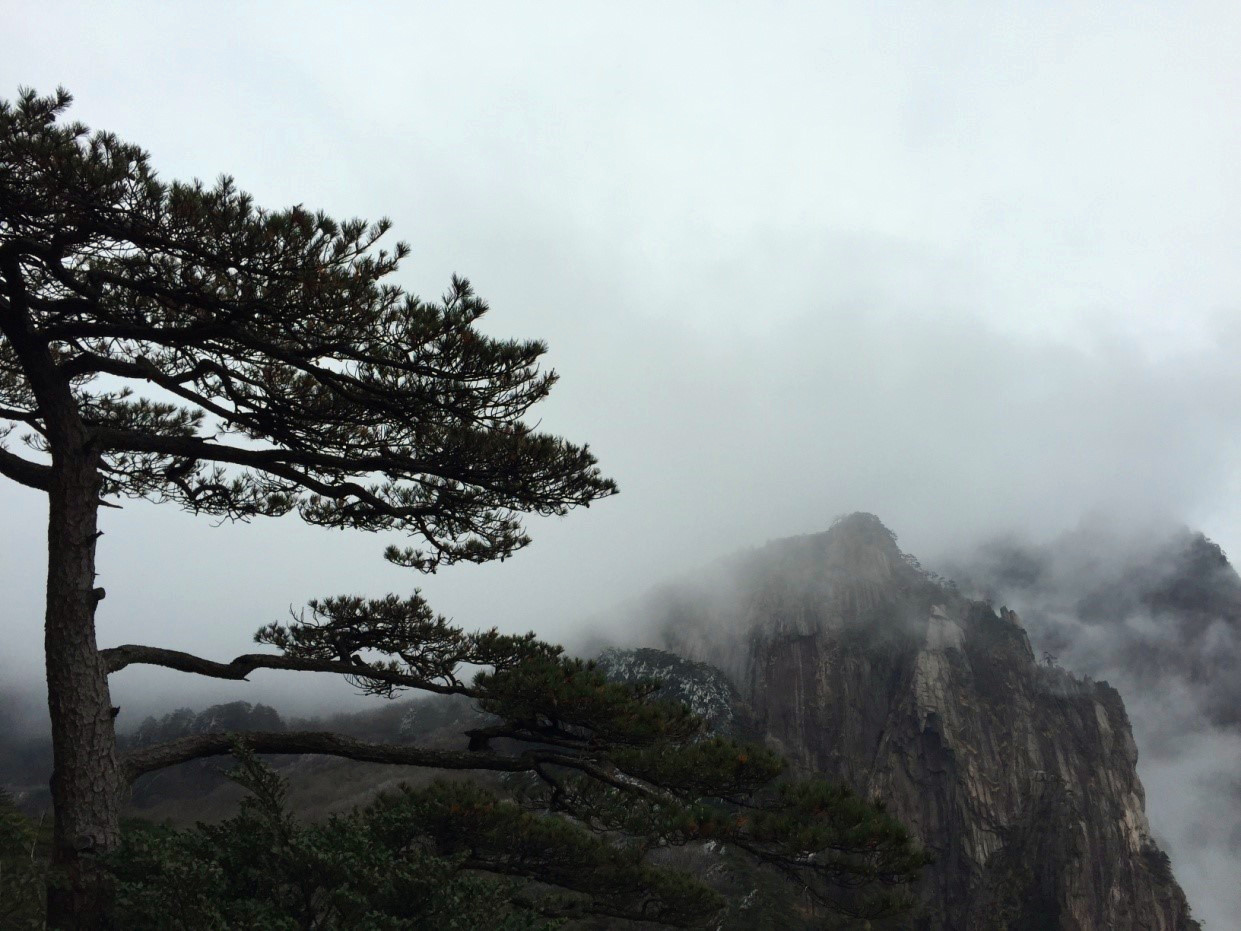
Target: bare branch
x,y
25,472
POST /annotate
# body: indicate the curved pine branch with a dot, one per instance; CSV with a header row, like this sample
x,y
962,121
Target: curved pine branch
x,y
117,658
161,756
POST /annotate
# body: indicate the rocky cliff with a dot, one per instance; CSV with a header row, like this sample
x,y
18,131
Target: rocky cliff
x,y
1160,610
1017,775
701,687
1156,610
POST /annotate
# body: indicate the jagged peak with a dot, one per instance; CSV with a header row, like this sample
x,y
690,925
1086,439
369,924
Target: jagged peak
x,y
856,548
862,665
863,527
852,574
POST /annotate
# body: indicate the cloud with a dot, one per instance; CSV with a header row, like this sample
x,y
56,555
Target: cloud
x,y
1155,610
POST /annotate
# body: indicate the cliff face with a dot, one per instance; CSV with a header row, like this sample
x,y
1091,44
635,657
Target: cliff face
x,y
1161,611
1156,610
1019,777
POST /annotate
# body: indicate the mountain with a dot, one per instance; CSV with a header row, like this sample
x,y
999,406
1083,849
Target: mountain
x,y
1156,610
842,651
1019,776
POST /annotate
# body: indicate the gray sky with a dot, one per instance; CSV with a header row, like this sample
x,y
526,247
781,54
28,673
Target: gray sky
x,y
972,267
968,269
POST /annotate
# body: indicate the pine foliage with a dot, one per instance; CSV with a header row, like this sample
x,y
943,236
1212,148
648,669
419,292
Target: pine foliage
x,y
243,362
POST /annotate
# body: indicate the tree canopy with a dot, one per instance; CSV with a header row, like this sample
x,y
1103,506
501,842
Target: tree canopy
x,y
290,374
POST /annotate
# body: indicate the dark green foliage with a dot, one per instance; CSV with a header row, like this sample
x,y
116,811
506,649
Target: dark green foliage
x,y
572,699
701,687
613,775
1159,864
174,342
292,374
414,859
24,845
422,645
847,852
587,873
264,870
808,840
618,758
718,767
459,855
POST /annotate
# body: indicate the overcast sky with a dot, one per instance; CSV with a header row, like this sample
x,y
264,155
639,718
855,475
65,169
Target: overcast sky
x,y
972,267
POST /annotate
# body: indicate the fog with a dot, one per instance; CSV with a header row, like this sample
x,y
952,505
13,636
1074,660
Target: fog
x,y
970,269
1155,612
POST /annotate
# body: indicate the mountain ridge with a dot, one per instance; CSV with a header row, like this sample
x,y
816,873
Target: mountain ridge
x,y
863,666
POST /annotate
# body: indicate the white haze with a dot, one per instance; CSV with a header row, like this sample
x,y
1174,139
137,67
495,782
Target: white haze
x,y
972,268
1177,673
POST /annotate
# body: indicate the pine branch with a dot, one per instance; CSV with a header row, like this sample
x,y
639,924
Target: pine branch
x,y
182,750
25,472
117,658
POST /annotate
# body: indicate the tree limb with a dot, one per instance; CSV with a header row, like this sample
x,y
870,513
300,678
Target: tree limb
x,y
270,461
161,756
117,658
25,472
275,459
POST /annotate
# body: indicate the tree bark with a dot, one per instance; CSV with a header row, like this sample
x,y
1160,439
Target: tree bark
x,y
86,782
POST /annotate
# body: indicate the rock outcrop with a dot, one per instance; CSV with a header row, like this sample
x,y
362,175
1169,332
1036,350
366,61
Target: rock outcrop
x,y
1017,775
701,687
1156,610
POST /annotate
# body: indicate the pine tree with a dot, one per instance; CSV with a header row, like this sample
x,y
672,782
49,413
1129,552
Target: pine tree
x,y
173,342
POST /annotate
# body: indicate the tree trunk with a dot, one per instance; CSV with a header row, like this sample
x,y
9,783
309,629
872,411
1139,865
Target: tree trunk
x,y
86,784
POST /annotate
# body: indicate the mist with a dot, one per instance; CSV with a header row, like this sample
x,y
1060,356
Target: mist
x,y
972,270
1155,610
950,431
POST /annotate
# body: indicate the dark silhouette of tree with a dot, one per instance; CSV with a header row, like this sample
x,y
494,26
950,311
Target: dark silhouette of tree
x,y
175,343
